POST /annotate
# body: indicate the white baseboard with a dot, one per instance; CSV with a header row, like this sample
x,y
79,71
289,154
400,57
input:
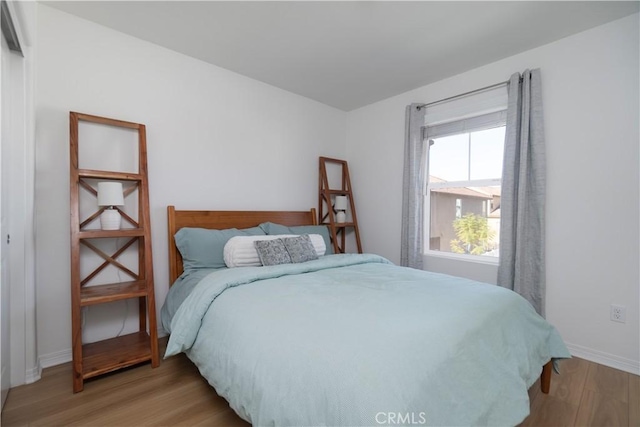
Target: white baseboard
x,y
55,358
611,360
5,392
34,374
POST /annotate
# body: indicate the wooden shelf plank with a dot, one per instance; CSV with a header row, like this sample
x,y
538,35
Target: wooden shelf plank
x,y
115,353
99,234
106,121
339,192
100,294
124,176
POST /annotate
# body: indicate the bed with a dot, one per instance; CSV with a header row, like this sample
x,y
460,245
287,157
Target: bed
x,y
351,339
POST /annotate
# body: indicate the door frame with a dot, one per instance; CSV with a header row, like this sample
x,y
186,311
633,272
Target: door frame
x,y
24,366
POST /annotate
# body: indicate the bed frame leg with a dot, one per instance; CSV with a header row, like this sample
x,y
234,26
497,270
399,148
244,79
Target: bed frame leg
x,y
545,378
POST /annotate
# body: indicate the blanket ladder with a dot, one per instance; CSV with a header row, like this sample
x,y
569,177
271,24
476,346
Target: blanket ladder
x,y
333,204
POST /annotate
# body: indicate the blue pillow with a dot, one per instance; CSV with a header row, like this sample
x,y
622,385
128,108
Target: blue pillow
x,y
272,229
203,248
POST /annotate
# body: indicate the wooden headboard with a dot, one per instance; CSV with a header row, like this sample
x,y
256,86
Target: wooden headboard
x,y
219,220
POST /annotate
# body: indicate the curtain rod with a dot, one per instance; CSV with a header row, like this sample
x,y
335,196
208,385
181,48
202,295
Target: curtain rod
x,y
464,94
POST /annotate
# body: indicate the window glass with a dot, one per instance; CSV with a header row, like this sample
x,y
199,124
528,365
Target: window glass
x,y
486,152
449,158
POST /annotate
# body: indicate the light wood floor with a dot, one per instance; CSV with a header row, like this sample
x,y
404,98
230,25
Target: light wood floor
x,y
585,394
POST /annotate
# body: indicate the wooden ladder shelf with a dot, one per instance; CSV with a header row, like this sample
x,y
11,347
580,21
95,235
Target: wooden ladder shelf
x,y
97,358
326,201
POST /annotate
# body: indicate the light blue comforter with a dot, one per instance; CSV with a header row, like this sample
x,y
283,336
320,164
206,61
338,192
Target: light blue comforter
x,y
355,340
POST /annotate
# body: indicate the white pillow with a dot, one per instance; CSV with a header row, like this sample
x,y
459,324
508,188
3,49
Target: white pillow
x,y
241,252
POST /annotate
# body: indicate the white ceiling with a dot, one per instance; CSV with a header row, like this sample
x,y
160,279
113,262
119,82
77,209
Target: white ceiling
x,y
349,54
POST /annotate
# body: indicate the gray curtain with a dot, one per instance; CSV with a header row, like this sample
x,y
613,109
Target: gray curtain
x,y
413,188
522,204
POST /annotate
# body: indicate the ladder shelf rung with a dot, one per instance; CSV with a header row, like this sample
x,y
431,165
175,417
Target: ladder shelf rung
x,y
340,224
100,294
339,192
99,234
115,353
97,174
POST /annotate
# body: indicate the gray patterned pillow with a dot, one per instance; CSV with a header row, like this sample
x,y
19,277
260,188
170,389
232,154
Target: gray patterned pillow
x,y
272,252
300,248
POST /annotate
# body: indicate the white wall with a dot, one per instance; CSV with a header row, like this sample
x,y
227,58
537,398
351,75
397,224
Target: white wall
x,y
215,139
591,97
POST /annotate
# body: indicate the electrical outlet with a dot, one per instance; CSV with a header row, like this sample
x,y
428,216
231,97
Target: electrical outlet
x,y
618,313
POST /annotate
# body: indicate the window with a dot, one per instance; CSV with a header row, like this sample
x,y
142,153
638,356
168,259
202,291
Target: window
x,y
462,200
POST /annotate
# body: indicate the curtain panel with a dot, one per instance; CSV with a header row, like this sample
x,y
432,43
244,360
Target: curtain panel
x,y
413,185
522,204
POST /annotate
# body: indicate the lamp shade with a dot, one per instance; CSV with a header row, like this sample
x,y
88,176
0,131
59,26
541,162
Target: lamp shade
x,y
341,203
110,194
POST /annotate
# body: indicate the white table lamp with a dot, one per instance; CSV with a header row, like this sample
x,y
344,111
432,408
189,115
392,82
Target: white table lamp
x,y
110,194
341,206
